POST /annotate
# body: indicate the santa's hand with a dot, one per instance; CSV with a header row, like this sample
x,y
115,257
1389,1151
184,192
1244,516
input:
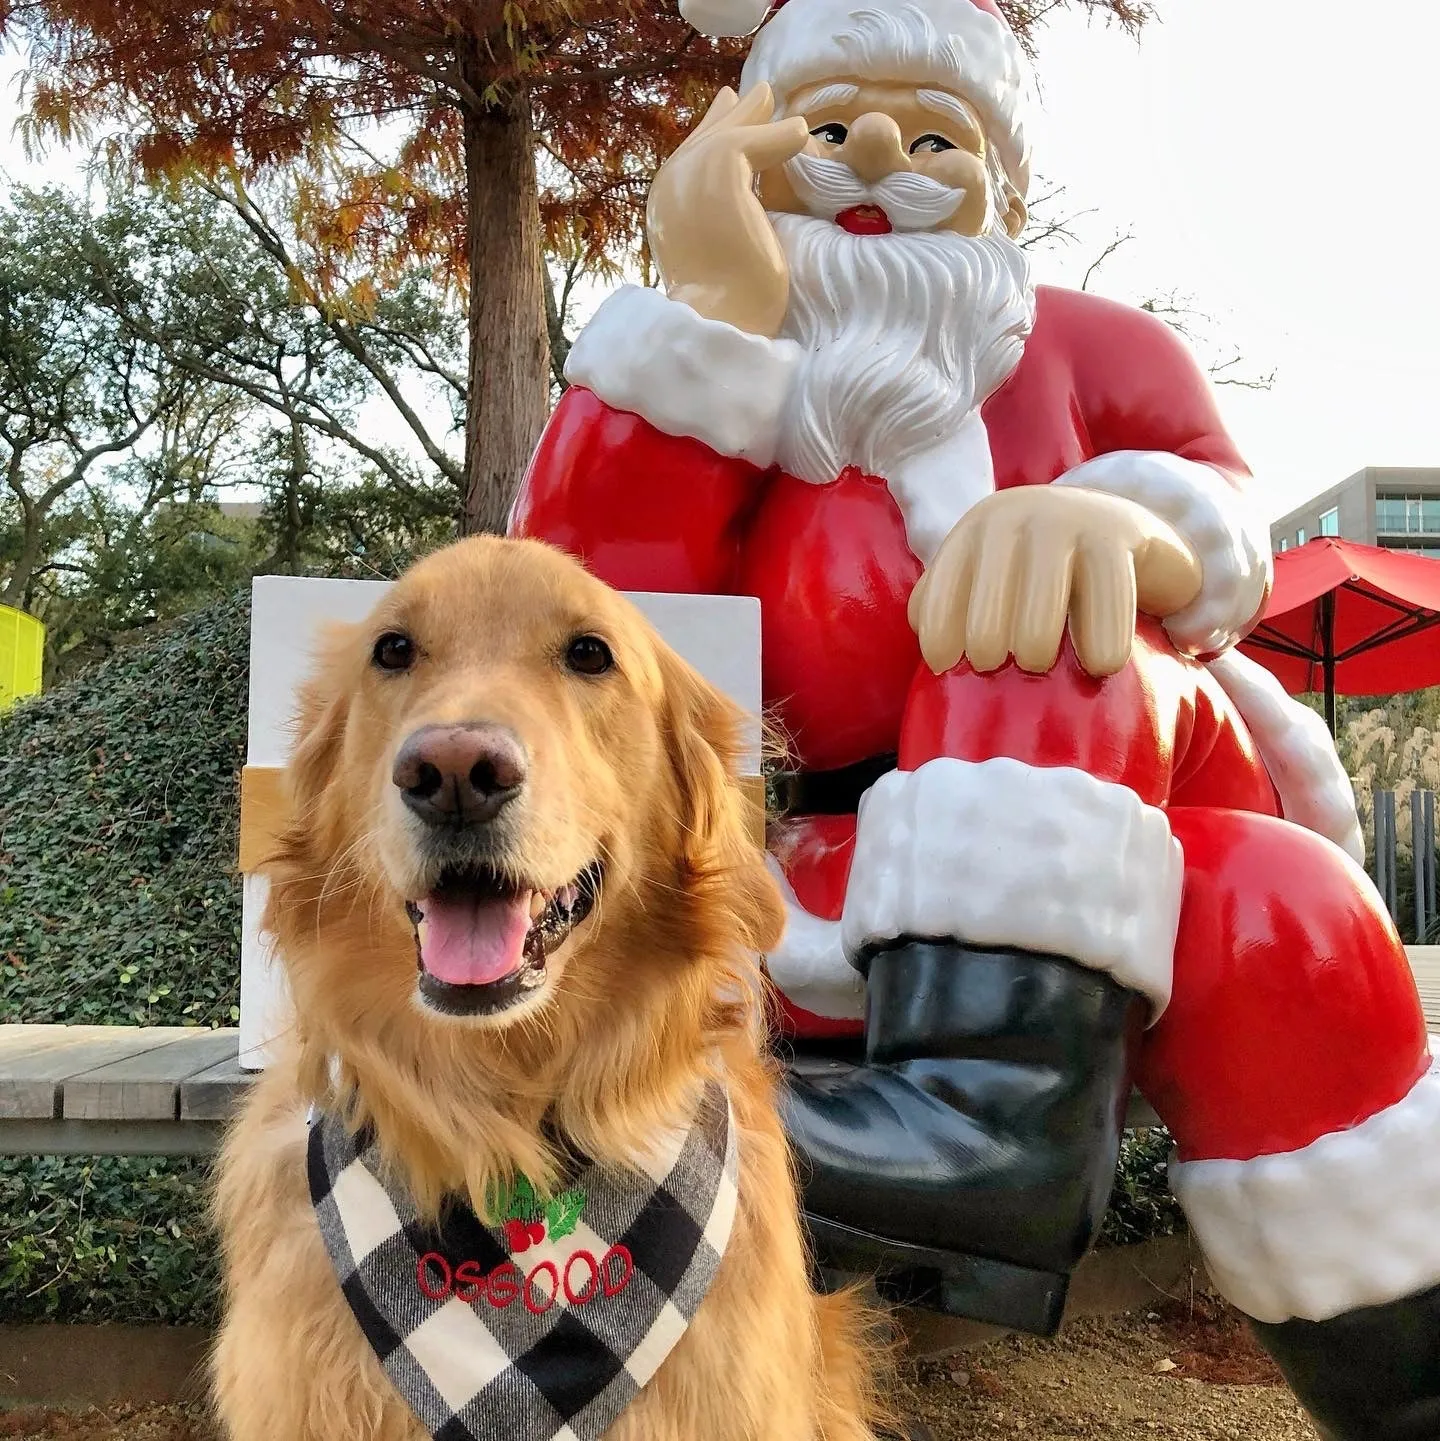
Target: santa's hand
x,y
1022,561
712,241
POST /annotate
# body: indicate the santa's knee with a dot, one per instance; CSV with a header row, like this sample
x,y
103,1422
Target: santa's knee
x,y
1119,728
1292,1068
1000,853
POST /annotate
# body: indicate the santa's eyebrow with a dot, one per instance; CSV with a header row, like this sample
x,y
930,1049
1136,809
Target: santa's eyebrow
x,y
953,109
825,96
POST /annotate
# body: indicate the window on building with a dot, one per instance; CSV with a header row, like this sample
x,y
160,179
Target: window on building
x,y
1300,536
1407,515
1330,521
1284,544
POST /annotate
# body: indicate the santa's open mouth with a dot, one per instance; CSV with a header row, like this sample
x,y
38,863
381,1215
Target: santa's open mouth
x,y
481,939
864,220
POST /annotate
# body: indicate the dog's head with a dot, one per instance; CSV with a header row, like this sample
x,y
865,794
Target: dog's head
x,y
516,825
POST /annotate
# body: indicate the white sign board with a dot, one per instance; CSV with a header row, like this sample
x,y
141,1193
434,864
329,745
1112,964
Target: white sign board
x,y
718,634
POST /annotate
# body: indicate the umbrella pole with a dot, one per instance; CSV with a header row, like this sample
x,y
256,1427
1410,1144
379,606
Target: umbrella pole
x,y
1327,635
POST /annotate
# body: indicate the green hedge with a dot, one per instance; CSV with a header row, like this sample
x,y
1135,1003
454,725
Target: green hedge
x,y
115,1238
120,904
118,821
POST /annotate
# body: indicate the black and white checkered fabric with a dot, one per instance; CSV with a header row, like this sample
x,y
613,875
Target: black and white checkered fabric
x,y
491,1335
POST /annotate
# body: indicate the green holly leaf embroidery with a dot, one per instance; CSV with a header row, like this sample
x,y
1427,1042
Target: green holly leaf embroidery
x,y
562,1215
522,1201
514,1203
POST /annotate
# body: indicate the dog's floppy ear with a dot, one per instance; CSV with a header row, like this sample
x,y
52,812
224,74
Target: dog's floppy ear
x,y
719,855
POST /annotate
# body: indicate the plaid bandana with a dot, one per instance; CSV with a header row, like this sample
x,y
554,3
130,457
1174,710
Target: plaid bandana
x,y
544,1322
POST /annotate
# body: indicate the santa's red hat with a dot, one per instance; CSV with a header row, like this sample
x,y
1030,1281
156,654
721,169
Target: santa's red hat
x,y
963,46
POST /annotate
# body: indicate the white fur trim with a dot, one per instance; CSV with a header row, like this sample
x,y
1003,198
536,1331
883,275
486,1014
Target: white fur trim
x,y
657,358
809,964
1005,854
1219,524
1298,752
934,489
948,44
1350,1220
724,17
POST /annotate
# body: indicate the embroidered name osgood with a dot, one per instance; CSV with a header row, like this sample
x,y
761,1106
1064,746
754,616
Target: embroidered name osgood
x,y
608,1276
543,1320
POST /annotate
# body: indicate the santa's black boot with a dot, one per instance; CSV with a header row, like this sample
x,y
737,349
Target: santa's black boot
x,y
1369,1375
968,1160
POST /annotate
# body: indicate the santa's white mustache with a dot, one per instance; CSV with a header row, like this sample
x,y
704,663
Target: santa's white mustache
x,y
910,201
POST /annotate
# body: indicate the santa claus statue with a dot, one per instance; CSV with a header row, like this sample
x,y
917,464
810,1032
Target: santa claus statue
x,y
1047,835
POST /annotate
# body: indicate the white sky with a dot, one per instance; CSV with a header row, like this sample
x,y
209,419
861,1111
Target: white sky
x,y
1251,147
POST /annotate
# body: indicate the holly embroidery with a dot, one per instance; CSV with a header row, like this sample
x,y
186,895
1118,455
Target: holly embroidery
x,y
526,1220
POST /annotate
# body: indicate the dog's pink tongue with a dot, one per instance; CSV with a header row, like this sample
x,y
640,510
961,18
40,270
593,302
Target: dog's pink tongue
x,y
470,942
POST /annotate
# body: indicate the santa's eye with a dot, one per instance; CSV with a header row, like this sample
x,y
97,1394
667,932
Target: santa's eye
x,y
832,132
933,143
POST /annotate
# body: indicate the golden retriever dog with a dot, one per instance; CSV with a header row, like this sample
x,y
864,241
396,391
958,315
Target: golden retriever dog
x,y
520,912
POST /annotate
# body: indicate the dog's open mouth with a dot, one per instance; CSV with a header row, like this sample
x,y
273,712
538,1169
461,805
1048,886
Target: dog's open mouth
x,y
481,939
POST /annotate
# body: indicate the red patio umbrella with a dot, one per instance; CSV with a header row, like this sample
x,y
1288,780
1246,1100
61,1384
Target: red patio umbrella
x,y
1350,618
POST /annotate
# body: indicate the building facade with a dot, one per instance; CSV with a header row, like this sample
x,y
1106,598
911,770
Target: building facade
x,y
1394,507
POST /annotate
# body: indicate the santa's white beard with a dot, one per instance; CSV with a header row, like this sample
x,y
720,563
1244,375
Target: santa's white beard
x,y
904,335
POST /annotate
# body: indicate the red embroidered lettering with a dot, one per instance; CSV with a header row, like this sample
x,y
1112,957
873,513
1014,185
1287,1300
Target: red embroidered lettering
x,y
466,1282
549,1298
627,1262
422,1276
587,1293
469,1282
504,1284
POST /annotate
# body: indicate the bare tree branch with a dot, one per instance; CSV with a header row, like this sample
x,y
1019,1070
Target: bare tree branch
x,y
1104,255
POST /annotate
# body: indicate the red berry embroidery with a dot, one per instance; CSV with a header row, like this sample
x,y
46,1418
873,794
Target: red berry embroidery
x,y
517,1236
536,1232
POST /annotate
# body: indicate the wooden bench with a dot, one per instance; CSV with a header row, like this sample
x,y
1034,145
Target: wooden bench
x,y
116,1090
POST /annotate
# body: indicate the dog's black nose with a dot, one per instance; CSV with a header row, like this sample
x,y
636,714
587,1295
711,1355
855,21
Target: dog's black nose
x,y
460,775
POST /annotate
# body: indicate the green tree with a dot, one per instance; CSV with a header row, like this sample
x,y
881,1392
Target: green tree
x,y
155,359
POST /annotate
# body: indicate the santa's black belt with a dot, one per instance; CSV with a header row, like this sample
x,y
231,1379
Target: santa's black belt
x,y
828,793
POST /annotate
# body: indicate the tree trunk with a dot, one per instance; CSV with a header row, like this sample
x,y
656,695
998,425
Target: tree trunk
x,y
509,342
16,591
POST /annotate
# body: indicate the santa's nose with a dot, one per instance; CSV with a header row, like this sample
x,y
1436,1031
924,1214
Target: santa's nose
x,y
874,147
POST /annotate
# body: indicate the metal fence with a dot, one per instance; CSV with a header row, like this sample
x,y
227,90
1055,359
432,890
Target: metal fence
x,y
1422,851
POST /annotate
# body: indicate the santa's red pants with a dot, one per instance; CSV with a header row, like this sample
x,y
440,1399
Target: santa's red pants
x,y
1126,822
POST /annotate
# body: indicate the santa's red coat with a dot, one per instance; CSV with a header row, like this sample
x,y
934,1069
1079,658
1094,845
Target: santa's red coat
x,y
831,564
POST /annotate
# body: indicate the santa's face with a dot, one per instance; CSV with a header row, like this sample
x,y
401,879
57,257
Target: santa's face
x,y
908,296
884,157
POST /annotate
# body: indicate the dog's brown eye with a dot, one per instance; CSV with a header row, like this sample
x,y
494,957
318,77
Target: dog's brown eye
x,y
589,655
394,651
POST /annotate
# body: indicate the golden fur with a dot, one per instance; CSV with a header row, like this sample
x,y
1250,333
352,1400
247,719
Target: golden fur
x,y
654,992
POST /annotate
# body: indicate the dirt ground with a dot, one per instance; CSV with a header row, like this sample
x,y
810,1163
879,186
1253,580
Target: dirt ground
x,y
1188,1373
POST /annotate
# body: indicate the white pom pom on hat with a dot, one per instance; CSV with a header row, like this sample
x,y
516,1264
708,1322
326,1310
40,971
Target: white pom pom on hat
x,y
725,17
963,46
